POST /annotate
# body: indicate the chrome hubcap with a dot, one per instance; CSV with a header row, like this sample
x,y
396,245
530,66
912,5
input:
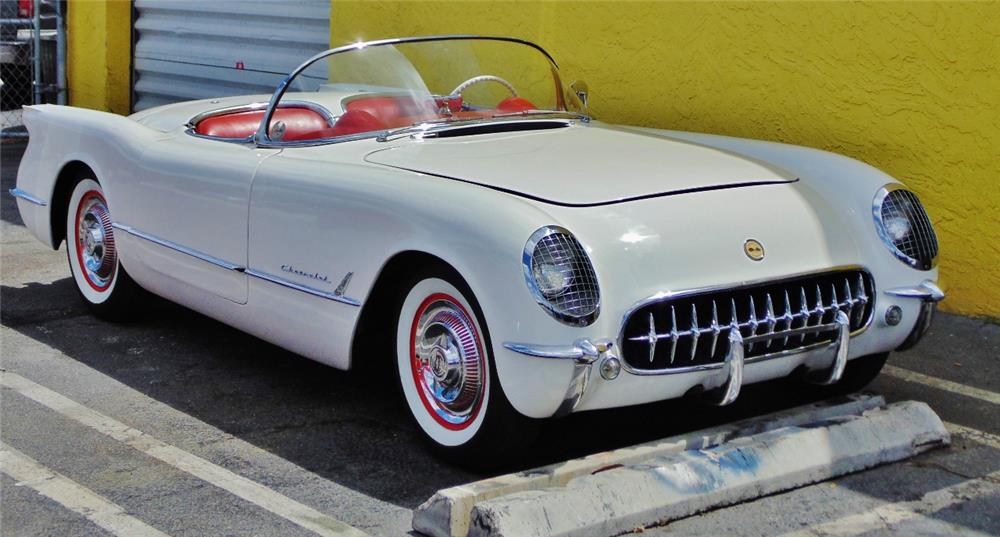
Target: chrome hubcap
x,y
98,257
448,365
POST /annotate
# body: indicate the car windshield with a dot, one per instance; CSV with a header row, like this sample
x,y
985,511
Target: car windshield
x,y
380,87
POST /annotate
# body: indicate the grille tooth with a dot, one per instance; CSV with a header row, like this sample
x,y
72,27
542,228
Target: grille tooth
x,y
769,318
819,305
695,331
753,320
788,317
652,337
765,331
715,327
674,335
850,298
805,312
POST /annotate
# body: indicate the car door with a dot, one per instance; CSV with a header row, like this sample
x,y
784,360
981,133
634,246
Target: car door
x,y
188,200
308,262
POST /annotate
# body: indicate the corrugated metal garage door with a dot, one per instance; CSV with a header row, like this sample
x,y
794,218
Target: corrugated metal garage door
x,y
188,50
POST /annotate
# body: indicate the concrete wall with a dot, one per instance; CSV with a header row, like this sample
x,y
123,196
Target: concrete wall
x,y
99,54
911,88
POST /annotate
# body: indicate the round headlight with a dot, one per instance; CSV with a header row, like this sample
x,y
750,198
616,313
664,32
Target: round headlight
x,y
904,227
560,276
552,280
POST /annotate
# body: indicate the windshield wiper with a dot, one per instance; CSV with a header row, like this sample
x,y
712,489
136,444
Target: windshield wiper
x,y
435,124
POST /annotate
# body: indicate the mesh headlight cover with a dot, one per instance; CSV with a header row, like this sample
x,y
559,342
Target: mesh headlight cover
x,y
904,227
561,277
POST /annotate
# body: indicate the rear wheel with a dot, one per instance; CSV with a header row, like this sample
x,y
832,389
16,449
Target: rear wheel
x,y
93,255
447,376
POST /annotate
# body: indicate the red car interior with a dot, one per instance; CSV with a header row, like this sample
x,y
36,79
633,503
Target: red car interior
x,y
363,115
244,124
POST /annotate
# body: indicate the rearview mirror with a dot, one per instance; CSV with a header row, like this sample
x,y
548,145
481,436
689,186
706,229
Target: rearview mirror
x,y
579,91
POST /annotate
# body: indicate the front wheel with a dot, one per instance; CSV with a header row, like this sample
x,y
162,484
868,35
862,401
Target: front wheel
x,y
448,378
93,254
860,372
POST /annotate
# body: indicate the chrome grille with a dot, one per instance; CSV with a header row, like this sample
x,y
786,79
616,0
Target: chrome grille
x,y
919,247
693,329
580,297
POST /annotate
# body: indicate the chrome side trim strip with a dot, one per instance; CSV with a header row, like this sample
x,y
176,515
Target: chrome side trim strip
x,y
178,248
304,288
18,193
927,290
233,266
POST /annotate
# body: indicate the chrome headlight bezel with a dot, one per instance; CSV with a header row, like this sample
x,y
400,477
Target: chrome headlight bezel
x,y
583,275
922,227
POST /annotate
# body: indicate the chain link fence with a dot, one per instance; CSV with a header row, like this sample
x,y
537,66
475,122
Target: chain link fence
x,y
32,59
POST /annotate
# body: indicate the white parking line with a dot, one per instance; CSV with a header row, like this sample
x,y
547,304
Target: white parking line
x,y
235,484
890,516
981,437
71,495
941,384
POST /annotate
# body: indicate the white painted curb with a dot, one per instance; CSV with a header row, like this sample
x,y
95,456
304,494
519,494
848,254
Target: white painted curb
x,y
447,513
682,484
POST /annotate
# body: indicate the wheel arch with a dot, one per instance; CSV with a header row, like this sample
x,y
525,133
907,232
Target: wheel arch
x,y
65,179
376,322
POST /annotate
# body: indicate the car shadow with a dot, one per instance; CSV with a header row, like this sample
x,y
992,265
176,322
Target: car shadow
x,y
349,427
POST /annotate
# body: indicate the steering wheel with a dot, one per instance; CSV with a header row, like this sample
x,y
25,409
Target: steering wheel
x,y
484,78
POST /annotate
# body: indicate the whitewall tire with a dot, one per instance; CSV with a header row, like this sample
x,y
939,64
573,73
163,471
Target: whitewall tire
x,y
93,253
447,377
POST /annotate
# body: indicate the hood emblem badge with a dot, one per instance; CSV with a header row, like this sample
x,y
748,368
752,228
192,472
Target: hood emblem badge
x,y
754,249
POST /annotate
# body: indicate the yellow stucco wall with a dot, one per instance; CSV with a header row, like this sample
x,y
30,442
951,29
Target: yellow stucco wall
x,y
99,54
911,88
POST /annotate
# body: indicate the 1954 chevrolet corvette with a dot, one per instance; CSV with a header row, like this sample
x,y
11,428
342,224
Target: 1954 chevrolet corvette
x,y
446,204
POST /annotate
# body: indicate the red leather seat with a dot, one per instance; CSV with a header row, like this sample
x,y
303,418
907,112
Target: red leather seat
x,y
394,111
244,124
366,114
515,104
352,122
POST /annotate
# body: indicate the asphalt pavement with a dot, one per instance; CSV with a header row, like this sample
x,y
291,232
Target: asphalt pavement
x,y
184,426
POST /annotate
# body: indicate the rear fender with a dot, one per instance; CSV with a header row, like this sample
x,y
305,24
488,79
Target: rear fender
x,y
61,135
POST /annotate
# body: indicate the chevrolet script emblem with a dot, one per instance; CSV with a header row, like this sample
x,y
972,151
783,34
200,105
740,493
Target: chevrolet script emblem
x,y
754,250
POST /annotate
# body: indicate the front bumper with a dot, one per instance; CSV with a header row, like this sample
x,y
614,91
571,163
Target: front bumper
x,y
825,365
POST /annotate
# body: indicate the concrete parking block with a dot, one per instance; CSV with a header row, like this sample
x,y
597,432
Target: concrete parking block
x,y
447,513
673,486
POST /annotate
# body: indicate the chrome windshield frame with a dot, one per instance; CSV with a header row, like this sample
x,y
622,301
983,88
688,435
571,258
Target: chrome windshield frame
x,y
261,138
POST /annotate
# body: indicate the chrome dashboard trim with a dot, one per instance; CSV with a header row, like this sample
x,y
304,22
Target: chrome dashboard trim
x,y
303,288
18,193
178,247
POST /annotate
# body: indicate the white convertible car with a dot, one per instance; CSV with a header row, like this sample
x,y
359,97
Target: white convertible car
x,y
447,204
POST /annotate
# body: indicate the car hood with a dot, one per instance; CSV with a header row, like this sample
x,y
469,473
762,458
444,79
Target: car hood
x,y
579,164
